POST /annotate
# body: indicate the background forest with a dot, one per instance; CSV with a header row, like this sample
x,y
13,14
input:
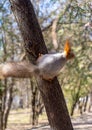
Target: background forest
x,y
59,20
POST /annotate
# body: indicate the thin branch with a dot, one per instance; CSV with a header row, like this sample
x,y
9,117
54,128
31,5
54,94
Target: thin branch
x,y
47,27
54,35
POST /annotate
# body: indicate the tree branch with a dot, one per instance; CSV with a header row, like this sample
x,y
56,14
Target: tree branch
x,y
54,35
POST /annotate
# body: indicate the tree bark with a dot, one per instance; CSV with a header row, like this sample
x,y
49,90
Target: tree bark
x,y
34,44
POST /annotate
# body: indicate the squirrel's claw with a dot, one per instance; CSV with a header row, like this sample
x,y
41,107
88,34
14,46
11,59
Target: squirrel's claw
x,y
40,54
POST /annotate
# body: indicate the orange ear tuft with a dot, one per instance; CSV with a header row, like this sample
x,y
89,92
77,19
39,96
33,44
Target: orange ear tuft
x,y
67,47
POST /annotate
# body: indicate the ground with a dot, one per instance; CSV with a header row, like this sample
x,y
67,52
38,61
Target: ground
x,y
20,120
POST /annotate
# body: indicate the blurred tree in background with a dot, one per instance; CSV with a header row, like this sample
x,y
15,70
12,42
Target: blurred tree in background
x,y
59,20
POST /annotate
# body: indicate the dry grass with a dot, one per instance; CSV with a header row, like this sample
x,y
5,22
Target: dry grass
x,y
19,116
20,119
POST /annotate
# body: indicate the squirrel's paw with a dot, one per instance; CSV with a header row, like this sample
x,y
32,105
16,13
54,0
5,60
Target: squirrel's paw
x,y
40,54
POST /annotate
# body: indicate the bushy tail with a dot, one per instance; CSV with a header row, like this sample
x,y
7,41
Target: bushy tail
x,y
1,72
18,69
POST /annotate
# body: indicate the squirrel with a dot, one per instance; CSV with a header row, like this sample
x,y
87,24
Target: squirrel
x,y
47,66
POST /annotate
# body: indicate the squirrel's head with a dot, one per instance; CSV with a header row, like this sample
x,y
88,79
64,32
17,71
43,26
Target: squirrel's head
x,y
67,50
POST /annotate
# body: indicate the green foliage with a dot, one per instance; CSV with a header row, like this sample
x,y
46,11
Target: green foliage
x,y
76,78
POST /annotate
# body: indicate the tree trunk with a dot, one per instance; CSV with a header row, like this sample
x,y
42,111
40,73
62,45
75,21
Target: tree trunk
x,y
1,93
72,109
33,101
6,105
85,104
9,103
90,102
34,44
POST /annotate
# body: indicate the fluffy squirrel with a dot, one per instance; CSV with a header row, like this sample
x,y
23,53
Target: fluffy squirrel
x,y
47,66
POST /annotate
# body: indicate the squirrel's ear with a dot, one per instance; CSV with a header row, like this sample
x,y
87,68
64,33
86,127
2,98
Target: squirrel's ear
x,y
67,47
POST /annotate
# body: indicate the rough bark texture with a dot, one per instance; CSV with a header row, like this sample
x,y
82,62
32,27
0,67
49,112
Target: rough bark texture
x,y
34,44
